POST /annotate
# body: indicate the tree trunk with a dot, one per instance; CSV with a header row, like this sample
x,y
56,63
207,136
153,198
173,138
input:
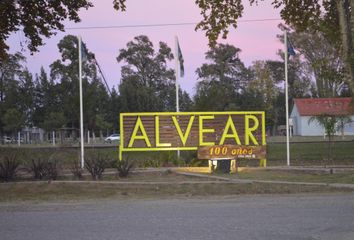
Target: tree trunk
x,y
346,27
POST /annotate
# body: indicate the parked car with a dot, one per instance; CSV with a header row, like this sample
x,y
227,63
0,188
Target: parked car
x,y
113,137
21,140
7,140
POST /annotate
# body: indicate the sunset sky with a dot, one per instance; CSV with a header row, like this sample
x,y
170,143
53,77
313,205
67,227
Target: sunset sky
x,y
257,40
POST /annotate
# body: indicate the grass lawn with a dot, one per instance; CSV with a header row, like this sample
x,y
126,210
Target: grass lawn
x,y
311,153
64,191
313,176
302,154
296,176
167,184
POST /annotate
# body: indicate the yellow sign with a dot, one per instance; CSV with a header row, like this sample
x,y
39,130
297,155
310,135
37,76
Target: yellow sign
x,y
232,152
164,131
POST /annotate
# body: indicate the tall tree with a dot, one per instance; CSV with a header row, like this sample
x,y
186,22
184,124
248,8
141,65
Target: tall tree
x,y
322,57
27,104
65,72
147,82
222,79
10,70
13,120
332,16
46,97
263,87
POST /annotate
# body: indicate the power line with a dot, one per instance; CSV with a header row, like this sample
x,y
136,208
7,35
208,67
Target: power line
x,y
163,24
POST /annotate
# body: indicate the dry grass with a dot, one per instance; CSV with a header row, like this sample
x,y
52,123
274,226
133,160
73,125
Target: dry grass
x,y
164,184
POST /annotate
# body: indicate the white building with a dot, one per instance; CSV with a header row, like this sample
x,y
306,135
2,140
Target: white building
x,y
306,108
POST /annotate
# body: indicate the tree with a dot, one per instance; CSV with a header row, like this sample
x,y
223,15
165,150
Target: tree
x,y
26,97
10,70
36,19
324,61
13,120
46,97
114,108
264,85
53,121
65,73
147,82
222,79
330,16
330,122
101,124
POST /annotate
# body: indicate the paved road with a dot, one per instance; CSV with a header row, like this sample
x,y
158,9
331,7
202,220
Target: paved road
x,y
242,217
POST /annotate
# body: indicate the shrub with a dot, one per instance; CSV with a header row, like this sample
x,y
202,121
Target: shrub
x,y
77,170
8,167
37,167
123,167
43,168
52,169
95,165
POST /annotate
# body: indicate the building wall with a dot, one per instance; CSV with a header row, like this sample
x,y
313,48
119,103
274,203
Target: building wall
x,y
295,116
311,129
302,127
315,129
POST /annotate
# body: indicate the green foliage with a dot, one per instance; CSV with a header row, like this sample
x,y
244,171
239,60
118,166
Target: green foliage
x,y
318,57
9,165
54,121
221,80
13,120
329,123
218,16
147,82
35,19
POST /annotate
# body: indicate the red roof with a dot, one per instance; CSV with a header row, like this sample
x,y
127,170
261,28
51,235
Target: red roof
x,y
318,106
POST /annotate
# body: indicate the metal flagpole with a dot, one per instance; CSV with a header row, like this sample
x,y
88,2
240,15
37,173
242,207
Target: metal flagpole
x,y
177,65
287,99
177,89
81,107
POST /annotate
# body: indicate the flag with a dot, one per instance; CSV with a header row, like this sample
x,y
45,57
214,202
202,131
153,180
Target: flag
x,y
180,60
83,52
291,51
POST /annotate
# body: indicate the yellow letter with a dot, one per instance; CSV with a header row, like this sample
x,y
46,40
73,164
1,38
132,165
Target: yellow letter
x,y
233,134
139,125
248,131
202,131
184,136
157,134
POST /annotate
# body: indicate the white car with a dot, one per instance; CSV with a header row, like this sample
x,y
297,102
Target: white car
x,y
113,137
7,140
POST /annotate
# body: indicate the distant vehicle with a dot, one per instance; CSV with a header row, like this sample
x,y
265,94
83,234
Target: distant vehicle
x,y
113,137
21,140
7,140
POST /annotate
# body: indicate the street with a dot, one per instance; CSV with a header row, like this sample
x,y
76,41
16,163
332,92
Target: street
x,y
325,216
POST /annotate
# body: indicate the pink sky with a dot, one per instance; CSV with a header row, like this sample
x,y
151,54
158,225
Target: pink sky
x,y
257,40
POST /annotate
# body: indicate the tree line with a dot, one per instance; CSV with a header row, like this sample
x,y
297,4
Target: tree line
x,y
51,100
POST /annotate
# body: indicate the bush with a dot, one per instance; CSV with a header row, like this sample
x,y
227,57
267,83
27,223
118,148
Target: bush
x,y
123,167
52,169
36,166
77,170
8,167
95,165
43,168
